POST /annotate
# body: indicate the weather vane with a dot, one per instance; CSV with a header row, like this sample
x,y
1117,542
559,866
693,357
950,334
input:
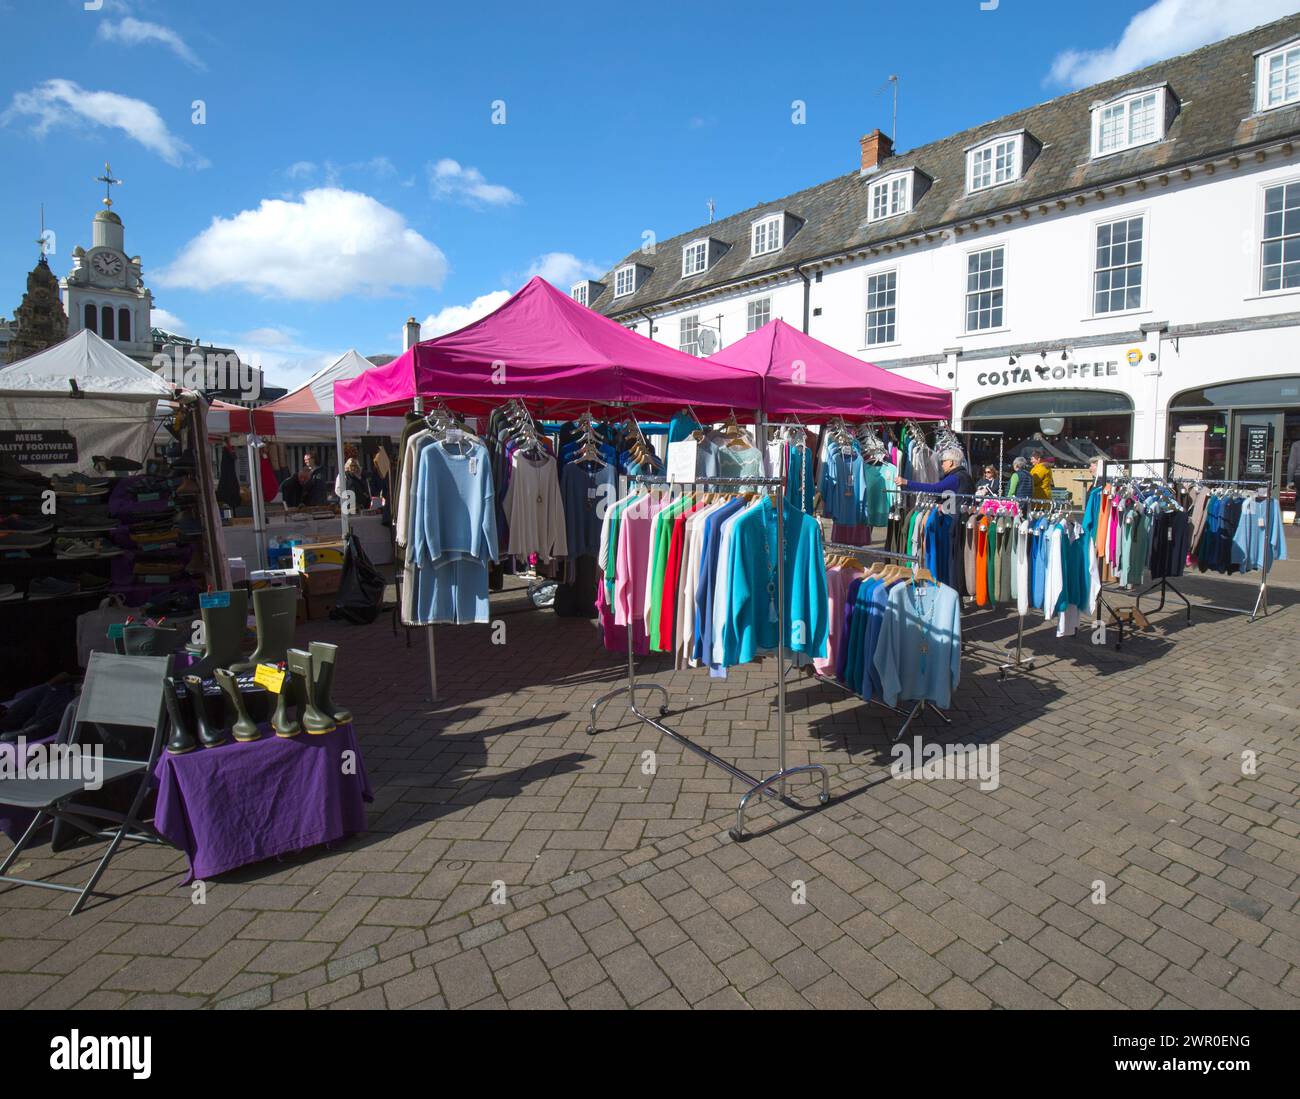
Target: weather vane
x,y
109,182
41,240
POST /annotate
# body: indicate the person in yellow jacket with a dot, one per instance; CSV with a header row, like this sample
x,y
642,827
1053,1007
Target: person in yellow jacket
x,y
1041,477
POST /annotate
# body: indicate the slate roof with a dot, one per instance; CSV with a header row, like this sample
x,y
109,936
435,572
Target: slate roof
x,y
1213,86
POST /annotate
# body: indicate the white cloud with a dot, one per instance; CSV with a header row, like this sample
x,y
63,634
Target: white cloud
x,y
170,322
136,32
270,337
563,269
326,245
64,103
454,317
450,179
301,169
1165,29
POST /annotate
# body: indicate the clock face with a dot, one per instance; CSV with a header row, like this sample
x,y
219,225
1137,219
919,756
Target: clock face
x,y
106,263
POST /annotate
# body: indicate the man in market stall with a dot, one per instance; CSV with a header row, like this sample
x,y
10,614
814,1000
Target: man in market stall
x,y
302,489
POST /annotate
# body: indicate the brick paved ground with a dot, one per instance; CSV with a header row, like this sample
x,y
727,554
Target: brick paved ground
x,y
622,889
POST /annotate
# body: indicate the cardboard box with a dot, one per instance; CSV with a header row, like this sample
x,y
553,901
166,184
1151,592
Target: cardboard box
x,y
308,554
322,580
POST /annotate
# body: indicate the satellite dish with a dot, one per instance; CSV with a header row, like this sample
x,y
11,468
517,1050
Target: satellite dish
x,y
707,341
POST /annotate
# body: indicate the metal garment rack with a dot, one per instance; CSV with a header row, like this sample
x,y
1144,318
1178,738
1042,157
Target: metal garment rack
x,y
910,715
778,779
1165,585
1005,663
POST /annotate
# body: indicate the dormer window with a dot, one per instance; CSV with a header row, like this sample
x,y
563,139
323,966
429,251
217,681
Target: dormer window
x,y
579,293
695,257
890,196
1277,77
994,162
625,280
1126,123
765,235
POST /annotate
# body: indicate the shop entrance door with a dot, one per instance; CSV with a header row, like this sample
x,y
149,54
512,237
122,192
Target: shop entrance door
x,y
1257,448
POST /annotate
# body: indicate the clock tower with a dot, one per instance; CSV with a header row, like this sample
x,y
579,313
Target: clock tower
x,y
105,290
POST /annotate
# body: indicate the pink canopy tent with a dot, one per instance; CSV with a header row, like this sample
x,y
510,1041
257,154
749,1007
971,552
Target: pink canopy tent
x,y
806,377
559,357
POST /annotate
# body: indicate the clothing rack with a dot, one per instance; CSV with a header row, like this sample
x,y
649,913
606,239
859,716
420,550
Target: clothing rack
x,y
776,485
1165,585
864,551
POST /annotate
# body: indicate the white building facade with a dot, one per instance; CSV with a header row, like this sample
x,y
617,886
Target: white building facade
x,y
1116,271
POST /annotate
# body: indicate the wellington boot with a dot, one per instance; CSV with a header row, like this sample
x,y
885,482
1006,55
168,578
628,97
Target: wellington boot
x,y
142,640
180,740
276,613
283,721
245,728
323,658
223,632
209,735
300,668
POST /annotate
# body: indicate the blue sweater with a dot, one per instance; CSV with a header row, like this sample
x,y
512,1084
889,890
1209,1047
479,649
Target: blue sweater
x,y
918,654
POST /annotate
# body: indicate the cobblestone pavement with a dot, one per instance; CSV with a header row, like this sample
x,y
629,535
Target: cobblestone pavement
x,y
623,889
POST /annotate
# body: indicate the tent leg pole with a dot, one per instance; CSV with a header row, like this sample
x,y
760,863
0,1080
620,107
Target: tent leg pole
x,y
255,498
433,664
342,479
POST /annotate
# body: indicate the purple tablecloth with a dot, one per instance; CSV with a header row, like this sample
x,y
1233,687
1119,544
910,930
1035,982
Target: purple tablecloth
x,y
240,803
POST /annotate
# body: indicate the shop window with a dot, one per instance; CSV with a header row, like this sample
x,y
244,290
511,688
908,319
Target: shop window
x,y
1070,427
1260,393
1198,444
124,325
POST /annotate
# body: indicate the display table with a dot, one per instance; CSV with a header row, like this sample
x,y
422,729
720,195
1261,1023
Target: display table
x,y
375,538
236,804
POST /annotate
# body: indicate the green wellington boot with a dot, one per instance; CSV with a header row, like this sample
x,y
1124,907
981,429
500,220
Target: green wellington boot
x,y
275,611
245,728
180,740
323,656
283,721
209,735
223,632
313,719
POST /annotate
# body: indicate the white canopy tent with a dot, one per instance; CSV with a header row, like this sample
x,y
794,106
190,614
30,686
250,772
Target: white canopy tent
x,y
108,404
83,386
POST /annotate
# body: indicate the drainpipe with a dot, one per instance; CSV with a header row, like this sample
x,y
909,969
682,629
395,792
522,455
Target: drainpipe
x,y
650,323
807,296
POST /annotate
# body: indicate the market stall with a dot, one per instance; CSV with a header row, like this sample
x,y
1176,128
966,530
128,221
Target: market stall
x,y
107,492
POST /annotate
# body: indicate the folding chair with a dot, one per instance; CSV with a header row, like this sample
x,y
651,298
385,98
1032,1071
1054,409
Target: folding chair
x,y
118,691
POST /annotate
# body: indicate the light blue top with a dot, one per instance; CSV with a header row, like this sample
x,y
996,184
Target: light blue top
x,y
1256,546
455,506
918,653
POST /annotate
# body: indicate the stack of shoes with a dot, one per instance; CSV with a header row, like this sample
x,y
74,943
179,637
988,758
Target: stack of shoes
x,y
90,546
51,587
79,485
78,520
115,464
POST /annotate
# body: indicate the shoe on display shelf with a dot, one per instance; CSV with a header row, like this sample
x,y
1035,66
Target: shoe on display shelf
x,y
84,547
77,484
115,464
9,594
50,587
88,581
21,524
12,540
10,470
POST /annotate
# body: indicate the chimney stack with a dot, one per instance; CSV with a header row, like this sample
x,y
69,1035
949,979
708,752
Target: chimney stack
x,y
411,333
876,147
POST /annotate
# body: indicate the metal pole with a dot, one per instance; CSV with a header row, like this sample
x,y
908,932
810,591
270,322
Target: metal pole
x,y
342,480
418,406
780,626
255,498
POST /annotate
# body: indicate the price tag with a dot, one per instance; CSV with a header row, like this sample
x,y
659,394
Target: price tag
x,y
1262,522
213,599
144,497
270,677
455,435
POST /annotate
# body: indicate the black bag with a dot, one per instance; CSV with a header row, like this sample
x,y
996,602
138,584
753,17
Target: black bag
x,y
361,588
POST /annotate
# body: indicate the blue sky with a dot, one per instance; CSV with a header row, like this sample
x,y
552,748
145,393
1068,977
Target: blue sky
x,y
348,172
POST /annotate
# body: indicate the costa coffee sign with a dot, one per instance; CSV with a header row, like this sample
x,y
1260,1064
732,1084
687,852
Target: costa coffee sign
x,y
1039,373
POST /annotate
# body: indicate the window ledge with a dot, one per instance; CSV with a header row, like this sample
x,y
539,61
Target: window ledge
x,y
1116,313
873,348
1267,295
975,333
